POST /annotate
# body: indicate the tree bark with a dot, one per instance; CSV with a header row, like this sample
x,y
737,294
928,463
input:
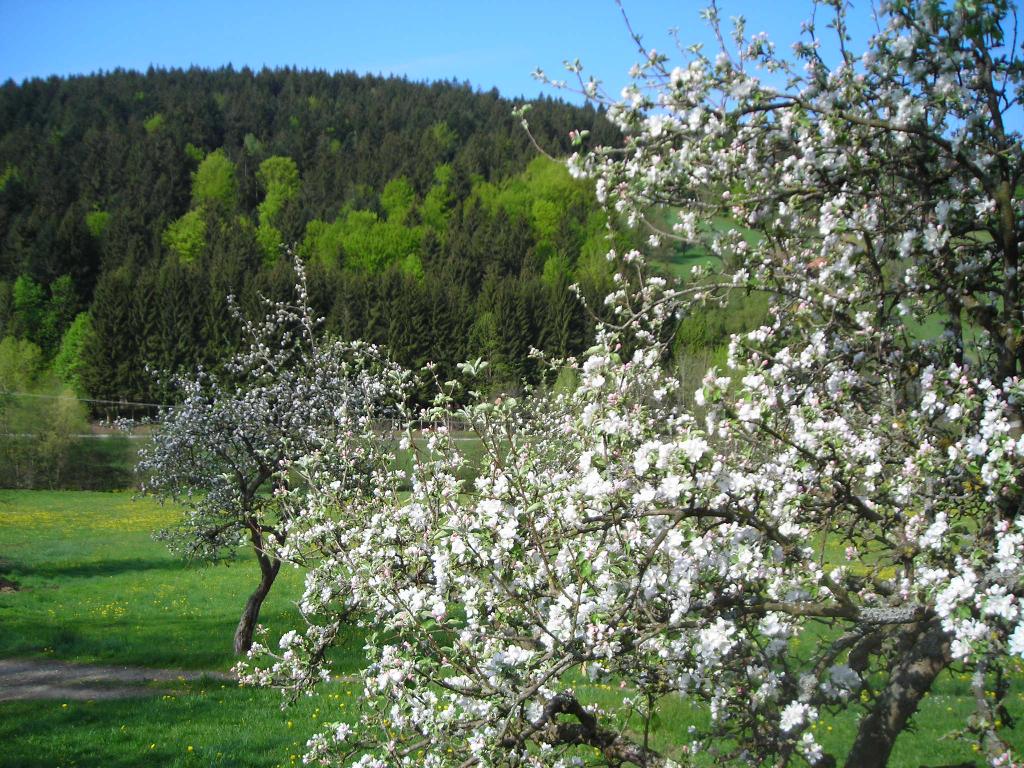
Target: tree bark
x,y
911,677
247,624
615,747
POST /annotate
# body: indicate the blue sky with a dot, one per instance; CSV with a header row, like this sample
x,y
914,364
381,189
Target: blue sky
x,y
489,44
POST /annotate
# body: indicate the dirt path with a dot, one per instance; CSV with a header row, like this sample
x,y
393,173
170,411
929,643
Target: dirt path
x,y
46,679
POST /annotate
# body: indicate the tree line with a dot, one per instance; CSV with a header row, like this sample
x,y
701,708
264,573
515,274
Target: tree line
x,y
133,204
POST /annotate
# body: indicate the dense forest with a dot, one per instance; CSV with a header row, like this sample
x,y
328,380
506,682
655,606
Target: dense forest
x,y
132,205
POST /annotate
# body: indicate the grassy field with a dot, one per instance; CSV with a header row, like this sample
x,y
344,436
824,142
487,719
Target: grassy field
x,y
95,587
195,726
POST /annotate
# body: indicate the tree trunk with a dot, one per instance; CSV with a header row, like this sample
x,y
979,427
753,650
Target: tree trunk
x,y
911,677
251,614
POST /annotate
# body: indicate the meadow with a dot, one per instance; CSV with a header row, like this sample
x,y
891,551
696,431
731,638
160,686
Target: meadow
x,y
95,587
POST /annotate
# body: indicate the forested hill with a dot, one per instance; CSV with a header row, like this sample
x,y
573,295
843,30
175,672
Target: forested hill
x,y
429,222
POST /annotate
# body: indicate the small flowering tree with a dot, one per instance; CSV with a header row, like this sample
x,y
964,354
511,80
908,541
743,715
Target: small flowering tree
x,y
839,521
227,448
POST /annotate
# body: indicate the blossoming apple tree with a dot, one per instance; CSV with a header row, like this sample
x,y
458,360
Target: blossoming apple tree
x,y
227,447
836,523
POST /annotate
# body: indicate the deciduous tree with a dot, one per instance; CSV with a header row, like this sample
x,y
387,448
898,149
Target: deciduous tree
x,y
836,525
227,449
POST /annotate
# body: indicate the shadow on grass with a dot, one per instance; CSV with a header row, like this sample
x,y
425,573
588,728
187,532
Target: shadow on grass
x,y
96,568
187,643
182,643
228,730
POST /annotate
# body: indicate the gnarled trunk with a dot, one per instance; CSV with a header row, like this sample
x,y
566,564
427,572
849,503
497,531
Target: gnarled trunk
x,y
911,677
251,614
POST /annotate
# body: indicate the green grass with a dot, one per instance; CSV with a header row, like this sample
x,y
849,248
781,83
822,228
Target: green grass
x,y
193,726
97,588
